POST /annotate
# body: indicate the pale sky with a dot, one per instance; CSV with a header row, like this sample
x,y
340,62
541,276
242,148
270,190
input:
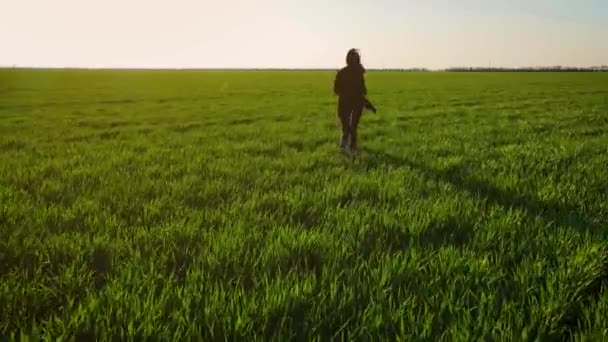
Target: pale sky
x,y
302,33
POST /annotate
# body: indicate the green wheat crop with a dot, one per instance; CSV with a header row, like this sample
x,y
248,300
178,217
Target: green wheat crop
x,y
215,205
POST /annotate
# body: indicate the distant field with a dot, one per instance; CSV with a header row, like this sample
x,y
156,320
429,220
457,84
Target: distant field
x,y
210,204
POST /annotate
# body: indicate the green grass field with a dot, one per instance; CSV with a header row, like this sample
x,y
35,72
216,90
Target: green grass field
x,y
215,204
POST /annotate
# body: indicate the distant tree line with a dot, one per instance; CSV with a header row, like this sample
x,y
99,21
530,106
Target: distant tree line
x,y
602,68
402,70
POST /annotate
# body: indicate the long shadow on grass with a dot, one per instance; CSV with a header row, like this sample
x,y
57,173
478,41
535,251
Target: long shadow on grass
x,y
565,319
458,176
448,231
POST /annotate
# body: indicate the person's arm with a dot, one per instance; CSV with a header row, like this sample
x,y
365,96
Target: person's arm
x,y
337,82
363,86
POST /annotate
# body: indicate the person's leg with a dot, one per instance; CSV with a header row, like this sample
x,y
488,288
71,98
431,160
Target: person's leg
x,y
355,117
344,114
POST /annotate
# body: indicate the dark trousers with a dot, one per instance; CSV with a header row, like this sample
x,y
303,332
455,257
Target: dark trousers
x,y
349,111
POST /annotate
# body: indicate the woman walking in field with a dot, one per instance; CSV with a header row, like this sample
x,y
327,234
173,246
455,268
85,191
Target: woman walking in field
x,y
349,85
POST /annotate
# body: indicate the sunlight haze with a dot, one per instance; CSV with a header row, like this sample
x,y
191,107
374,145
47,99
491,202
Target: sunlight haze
x,y
302,34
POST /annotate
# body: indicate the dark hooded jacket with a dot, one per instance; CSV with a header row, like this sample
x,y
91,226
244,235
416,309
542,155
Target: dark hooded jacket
x,y
349,83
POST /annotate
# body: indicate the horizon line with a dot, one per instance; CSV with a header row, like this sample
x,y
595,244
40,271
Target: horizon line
x,y
410,69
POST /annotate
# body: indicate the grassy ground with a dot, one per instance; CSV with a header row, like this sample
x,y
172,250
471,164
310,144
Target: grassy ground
x,y
212,204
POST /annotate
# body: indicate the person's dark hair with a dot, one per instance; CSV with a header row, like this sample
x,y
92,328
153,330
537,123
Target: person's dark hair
x,y
353,58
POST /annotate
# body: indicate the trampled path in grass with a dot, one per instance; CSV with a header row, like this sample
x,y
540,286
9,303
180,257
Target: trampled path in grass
x,y
212,203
